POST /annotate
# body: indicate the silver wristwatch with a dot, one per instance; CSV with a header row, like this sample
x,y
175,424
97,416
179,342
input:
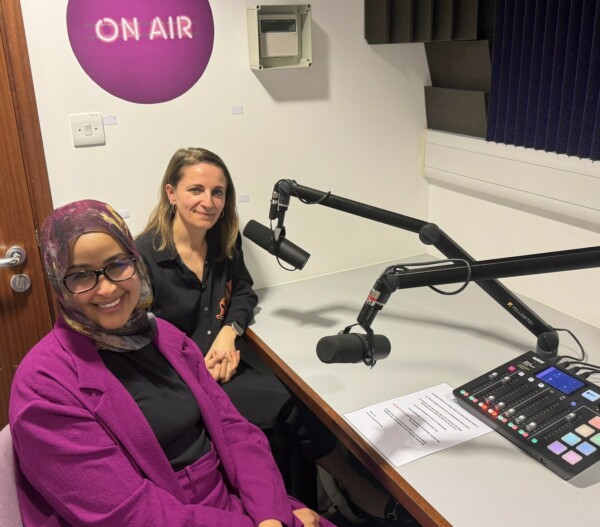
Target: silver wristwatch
x,y
239,330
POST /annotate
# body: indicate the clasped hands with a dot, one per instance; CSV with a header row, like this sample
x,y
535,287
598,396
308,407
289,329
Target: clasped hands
x,y
222,358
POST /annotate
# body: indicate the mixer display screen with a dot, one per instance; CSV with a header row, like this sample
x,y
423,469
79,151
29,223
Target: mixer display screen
x,y
560,380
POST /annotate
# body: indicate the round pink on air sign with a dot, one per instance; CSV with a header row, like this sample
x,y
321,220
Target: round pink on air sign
x,y
143,51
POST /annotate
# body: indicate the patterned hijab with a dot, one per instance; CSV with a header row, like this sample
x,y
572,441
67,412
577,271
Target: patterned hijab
x,y
60,230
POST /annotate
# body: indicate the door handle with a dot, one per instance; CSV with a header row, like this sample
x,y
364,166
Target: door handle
x,y
14,256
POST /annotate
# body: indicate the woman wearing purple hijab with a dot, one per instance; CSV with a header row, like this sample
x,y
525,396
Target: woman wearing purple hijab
x,y
115,419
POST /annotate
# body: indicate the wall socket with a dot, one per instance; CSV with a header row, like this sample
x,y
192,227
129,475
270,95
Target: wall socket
x,y
87,129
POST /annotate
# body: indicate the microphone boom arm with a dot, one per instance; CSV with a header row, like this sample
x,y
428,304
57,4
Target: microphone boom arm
x,y
484,273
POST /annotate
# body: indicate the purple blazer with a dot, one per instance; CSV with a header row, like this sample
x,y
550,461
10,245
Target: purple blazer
x,y
87,455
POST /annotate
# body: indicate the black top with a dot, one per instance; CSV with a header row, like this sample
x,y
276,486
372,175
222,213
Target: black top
x,y
199,308
165,400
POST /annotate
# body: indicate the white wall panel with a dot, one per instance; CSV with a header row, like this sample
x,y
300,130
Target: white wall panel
x,y
556,185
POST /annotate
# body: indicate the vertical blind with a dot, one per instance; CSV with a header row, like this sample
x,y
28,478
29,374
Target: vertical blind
x,y
545,85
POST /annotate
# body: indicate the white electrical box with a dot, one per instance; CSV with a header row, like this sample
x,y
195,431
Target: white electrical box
x,y
279,36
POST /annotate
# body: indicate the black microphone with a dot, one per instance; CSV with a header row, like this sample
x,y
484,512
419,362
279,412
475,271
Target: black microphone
x,y
283,248
349,348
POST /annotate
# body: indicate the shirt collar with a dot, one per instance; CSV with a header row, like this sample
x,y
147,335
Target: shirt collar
x,y
170,254
166,254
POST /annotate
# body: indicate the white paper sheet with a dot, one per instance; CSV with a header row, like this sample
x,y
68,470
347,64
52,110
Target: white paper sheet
x,y
417,424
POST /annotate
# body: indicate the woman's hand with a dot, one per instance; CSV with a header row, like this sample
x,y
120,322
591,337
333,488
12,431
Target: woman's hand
x,y
222,359
308,517
215,363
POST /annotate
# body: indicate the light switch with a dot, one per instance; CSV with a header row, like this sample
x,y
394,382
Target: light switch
x,y
87,129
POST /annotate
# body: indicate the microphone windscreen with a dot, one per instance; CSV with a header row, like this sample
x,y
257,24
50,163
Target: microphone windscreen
x,y
260,235
349,348
287,251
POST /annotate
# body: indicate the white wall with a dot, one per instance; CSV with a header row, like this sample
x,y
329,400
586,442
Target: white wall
x,y
493,230
349,124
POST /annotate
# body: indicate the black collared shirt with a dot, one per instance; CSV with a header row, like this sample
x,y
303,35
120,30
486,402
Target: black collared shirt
x,y
199,308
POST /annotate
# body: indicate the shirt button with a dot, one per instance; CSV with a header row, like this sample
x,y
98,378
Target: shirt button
x,y
209,332
205,309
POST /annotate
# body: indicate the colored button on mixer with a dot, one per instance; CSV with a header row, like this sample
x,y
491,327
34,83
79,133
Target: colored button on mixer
x,y
572,457
595,422
595,439
557,447
586,449
571,438
591,395
585,430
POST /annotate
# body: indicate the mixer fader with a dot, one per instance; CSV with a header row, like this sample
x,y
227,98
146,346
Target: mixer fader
x,y
547,411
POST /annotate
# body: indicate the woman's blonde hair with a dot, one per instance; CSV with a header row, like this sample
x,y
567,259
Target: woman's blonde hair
x,y
160,224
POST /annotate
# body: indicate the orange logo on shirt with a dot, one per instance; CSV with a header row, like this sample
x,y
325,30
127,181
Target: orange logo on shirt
x,y
224,302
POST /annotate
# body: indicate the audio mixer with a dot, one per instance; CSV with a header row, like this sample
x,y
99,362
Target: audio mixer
x,y
541,407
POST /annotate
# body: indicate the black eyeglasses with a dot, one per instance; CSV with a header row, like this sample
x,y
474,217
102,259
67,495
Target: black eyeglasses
x,y
118,271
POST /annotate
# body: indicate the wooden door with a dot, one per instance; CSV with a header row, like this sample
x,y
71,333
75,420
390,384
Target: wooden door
x,y
24,202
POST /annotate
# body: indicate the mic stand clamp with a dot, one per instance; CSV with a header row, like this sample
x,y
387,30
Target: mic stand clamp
x,y
371,357
278,237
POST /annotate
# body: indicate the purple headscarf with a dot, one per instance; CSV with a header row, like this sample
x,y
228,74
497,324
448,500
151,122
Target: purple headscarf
x,y
60,230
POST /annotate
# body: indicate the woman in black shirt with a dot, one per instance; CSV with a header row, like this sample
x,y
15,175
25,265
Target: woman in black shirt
x,y
193,252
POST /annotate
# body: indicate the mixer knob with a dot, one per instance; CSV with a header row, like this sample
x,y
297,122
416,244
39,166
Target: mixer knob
x,y
520,419
500,406
505,379
570,417
531,426
493,375
509,413
490,399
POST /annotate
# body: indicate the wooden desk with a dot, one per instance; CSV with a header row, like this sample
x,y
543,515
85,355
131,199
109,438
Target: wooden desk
x,y
486,482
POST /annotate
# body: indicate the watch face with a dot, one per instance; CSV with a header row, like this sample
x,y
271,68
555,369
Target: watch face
x,y
237,328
